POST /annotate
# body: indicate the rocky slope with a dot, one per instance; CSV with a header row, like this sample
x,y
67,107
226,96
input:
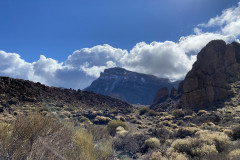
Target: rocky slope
x,y
132,87
22,93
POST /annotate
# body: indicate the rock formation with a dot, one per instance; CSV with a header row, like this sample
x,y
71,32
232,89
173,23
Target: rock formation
x,y
216,67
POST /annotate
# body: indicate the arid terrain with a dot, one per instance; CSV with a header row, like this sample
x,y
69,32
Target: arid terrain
x,y
199,121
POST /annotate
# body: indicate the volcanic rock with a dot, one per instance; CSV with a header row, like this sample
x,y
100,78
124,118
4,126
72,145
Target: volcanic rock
x,y
217,65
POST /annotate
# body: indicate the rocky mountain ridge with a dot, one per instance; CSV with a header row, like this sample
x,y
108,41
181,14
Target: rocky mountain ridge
x,y
17,92
132,87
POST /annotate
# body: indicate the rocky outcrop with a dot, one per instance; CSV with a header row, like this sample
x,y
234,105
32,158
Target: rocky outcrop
x,y
132,87
161,95
217,65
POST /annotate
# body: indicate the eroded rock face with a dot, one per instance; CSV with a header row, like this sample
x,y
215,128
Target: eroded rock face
x,y
217,66
161,95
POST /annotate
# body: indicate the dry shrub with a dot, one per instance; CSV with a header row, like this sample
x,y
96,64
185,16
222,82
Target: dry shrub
x,y
152,113
170,155
178,113
236,132
112,126
163,133
235,154
85,148
204,143
186,131
143,110
30,136
219,139
152,143
130,143
35,136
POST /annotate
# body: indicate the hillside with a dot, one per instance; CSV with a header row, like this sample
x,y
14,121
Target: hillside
x,y
132,87
22,93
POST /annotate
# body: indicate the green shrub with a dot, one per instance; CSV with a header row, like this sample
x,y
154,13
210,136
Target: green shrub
x,y
143,110
152,143
112,126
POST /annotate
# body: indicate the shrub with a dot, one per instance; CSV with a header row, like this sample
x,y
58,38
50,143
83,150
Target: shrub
x,y
235,154
152,113
236,132
85,148
178,113
130,143
112,126
29,137
219,139
42,137
83,119
143,110
163,133
152,143
186,131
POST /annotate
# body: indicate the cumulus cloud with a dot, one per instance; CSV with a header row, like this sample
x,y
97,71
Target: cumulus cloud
x,y
163,59
228,21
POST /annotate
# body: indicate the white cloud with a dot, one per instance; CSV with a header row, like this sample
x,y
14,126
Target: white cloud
x,y
228,21
164,59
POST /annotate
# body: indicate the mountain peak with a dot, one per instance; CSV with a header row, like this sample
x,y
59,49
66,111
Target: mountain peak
x,y
132,87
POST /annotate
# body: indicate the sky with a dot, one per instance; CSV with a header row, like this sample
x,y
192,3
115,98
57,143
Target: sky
x,y
68,43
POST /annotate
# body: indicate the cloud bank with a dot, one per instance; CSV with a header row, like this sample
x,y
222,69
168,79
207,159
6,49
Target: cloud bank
x,y
163,59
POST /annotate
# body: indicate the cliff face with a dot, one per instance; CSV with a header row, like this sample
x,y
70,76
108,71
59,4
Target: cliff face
x,y
217,65
132,87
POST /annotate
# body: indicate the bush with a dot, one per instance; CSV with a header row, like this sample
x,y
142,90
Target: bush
x,y
85,148
235,154
112,126
184,132
130,143
152,143
178,113
143,110
152,113
29,137
42,137
219,139
236,132
204,143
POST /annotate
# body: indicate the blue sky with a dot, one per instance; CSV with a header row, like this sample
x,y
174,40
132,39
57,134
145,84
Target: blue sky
x,y
70,35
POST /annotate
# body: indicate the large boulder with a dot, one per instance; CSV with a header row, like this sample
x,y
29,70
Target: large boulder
x,y
217,65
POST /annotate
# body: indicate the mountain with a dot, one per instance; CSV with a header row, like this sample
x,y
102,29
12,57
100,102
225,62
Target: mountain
x,y
213,79
23,93
132,87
